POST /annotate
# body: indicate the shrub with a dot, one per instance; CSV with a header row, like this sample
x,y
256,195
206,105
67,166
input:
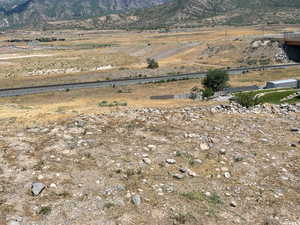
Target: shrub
x,y
207,92
216,80
113,104
199,196
45,210
247,100
214,199
152,64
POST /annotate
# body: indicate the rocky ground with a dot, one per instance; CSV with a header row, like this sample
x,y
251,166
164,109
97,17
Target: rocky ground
x,y
193,165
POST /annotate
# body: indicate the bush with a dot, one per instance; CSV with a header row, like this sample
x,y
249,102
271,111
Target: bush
x,y
216,80
113,104
247,100
207,92
152,64
46,210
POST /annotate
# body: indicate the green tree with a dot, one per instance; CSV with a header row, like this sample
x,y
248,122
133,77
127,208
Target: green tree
x,y
207,92
152,64
247,100
216,80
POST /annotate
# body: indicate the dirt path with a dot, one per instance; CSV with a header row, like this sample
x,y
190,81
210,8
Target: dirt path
x,y
24,56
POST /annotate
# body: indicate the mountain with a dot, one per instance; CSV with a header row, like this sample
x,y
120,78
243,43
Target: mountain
x,y
145,14
213,12
37,12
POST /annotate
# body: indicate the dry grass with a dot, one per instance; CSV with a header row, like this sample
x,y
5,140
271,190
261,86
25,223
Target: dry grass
x,y
53,106
261,77
60,105
127,50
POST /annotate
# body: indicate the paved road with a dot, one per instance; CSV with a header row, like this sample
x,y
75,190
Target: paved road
x,y
121,82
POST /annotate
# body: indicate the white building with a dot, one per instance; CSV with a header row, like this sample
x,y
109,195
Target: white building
x,y
291,83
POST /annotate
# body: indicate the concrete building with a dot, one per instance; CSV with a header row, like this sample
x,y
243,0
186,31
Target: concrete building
x,y
291,83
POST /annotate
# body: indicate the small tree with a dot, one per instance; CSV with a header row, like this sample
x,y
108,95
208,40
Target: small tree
x,y
247,100
152,64
207,92
216,80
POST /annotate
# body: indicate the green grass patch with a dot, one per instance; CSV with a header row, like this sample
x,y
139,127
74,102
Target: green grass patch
x,y
112,104
294,100
194,196
213,199
276,97
92,46
46,210
273,96
254,93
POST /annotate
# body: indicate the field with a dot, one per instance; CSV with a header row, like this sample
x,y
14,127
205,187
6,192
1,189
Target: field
x,y
51,106
101,55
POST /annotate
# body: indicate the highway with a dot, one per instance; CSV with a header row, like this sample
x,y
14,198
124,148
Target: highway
x,y
9,92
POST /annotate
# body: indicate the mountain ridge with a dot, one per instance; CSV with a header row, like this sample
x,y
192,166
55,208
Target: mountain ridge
x,y
32,12
146,13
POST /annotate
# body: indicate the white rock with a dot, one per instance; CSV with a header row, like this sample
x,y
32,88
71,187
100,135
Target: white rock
x,y
151,147
204,146
147,161
136,200
191,173
171,161
227,175
53,185
233,204
178,176
37,188
207,194
222,151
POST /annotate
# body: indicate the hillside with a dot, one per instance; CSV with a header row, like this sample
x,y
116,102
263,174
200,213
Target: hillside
x,y
37,12
213,12
152,166
145,14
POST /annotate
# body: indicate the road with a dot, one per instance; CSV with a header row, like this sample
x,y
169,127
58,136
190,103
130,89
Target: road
x,y
123,82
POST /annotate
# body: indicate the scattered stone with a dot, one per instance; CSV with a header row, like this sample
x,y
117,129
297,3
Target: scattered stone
x,y
37,188
264,140
233,204
151,147
294,129
222,151
183,170
178,176
171,161
238,158
136,200
197,162
191,173
227,175
53,185
207,194
120,187
147,161
204,146
227,194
